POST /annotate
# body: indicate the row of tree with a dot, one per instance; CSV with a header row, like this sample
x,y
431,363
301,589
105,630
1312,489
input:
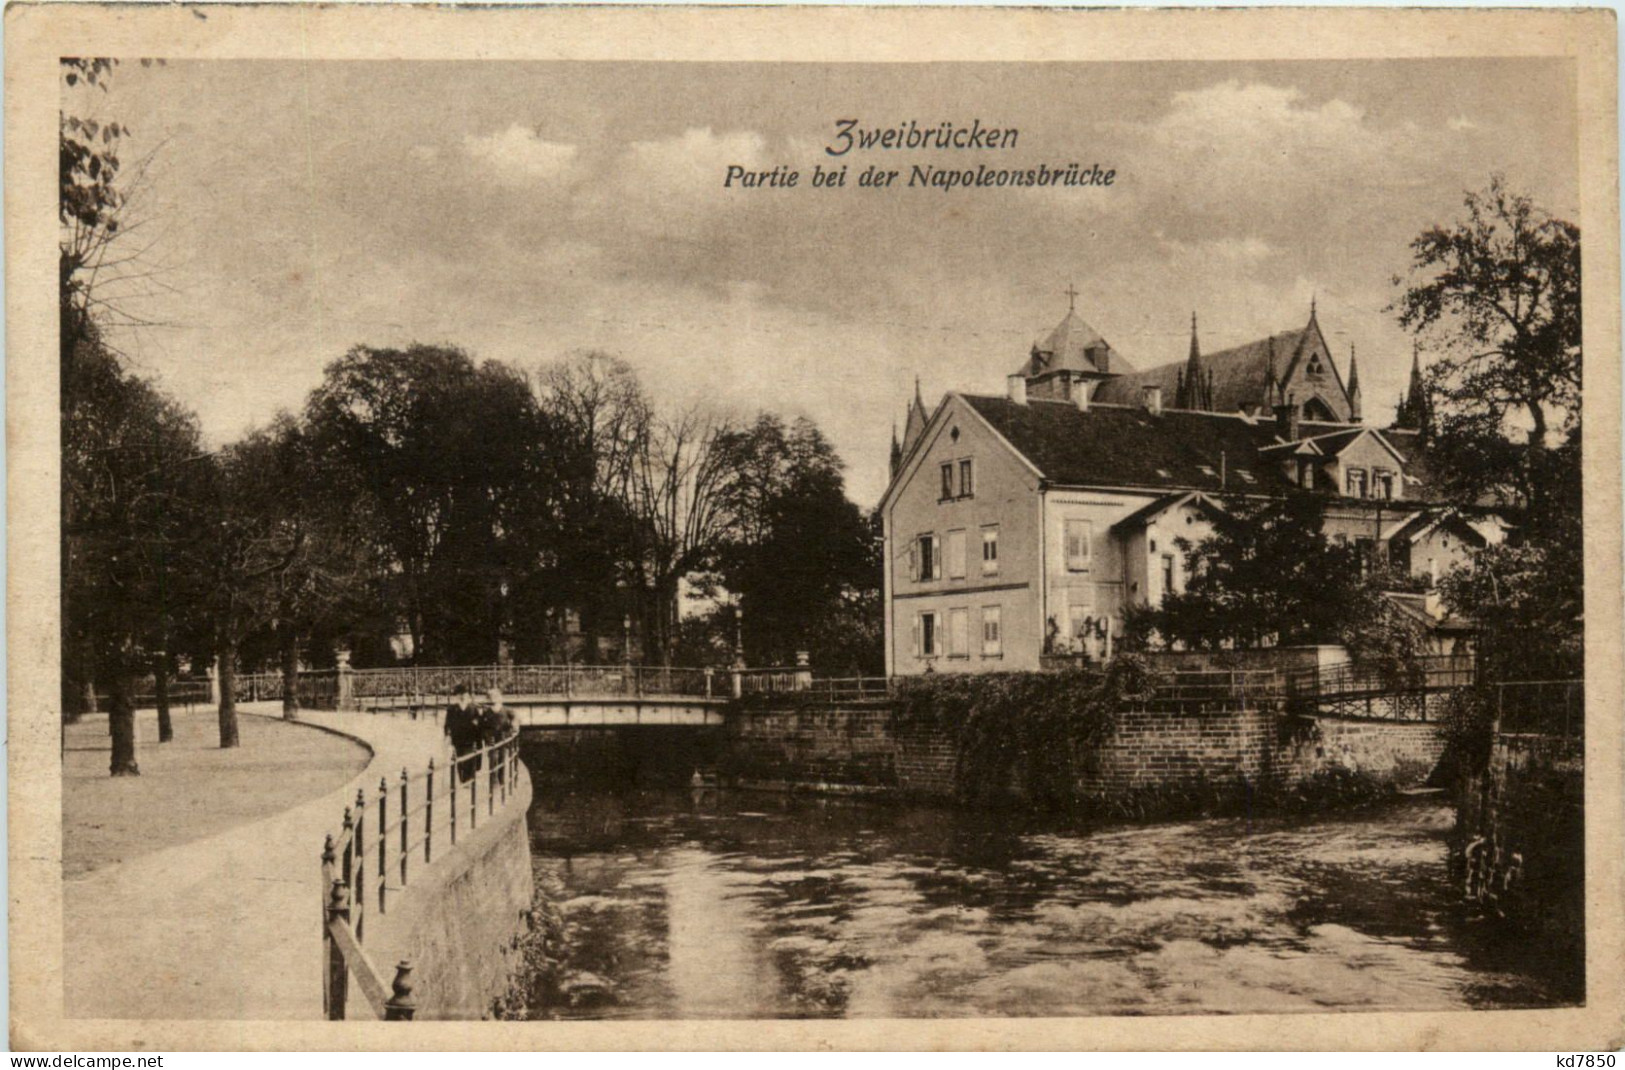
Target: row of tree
x,y
424,506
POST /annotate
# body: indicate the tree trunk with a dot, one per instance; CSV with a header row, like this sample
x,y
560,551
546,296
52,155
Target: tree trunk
x,y
121,725
290,674
160,689
228,694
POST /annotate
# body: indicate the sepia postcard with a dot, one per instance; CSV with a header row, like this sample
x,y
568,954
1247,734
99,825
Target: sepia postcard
x,y
675,527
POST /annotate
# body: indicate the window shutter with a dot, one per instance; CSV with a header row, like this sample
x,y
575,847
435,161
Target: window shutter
x,y
916,635
914,560
936,557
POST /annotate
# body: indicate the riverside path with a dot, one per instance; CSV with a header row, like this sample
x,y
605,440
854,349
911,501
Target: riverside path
x,y
227,925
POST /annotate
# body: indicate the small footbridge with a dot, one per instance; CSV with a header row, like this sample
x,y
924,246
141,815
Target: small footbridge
x,y
1413,691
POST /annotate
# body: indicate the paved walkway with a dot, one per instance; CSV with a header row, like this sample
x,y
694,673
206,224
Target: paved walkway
x,y
228,926
189,788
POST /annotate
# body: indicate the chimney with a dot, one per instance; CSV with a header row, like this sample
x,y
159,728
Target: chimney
x,y
1153,398
1080,395
1016,388
1286,419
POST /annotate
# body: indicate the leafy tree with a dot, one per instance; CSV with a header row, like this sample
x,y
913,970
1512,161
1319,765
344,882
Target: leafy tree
x,y
327,560
1268,576
130,503
1500,289
801,559
443,455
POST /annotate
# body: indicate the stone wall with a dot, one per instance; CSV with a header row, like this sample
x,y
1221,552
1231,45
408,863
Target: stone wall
x,y
860,748
1519,845
1153,748
459,924
854,747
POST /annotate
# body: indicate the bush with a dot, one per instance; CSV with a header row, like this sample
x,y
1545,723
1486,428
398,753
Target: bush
x,y
1023,732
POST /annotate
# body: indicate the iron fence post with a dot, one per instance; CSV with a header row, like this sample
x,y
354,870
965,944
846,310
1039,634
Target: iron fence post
x,y
383,842
402,1005
428,818
358,892
336,977
406,849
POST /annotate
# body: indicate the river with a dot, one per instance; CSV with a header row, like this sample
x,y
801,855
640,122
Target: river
x,y
672,904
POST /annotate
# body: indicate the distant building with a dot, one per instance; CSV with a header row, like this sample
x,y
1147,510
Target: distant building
x,y
1022,523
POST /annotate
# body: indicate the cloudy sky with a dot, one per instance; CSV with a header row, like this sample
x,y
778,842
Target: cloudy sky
x,y
525,210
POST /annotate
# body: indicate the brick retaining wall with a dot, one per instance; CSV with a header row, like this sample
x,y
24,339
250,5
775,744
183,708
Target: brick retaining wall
x,y
860,748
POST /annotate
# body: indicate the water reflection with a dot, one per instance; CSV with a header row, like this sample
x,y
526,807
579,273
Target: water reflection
x,y
715,904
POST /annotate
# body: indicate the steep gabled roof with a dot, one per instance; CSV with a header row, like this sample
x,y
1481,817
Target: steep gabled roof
x,y
1423,523
1239,374
1175,450
1145,515
1123,446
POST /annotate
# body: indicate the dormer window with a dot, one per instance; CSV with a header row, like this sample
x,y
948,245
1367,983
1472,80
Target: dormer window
x,y
1356,483
1382,484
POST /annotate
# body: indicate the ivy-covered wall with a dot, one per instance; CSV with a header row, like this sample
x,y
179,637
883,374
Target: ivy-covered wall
x,y
1058,743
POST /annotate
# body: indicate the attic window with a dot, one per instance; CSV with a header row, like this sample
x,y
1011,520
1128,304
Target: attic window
x,y
954,434
1314,364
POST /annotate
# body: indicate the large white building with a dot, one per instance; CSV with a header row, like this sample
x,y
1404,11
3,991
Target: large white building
x,y
1024,523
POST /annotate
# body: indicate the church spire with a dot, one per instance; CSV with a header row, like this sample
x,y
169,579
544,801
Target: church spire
x,y
1414,409
1272,383
1194,390
896,450
1354,387
914,424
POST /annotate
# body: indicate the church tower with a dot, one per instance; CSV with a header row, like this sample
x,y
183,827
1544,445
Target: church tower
x,y
1071,361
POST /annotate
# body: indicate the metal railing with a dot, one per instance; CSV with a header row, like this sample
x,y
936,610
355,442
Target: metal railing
x,y
1538,707
1375,692
1430,673
317,689
774,680
433,685
377,850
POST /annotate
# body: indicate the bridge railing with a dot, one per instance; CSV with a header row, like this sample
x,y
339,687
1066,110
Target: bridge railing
x,y
433,685
408,825
1429,673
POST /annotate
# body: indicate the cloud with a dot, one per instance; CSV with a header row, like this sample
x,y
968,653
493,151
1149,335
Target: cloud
x,y
1461,122
673,187
520,156
1232,251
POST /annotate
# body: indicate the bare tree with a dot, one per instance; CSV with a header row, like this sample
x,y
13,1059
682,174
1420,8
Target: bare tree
x,y
679,476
